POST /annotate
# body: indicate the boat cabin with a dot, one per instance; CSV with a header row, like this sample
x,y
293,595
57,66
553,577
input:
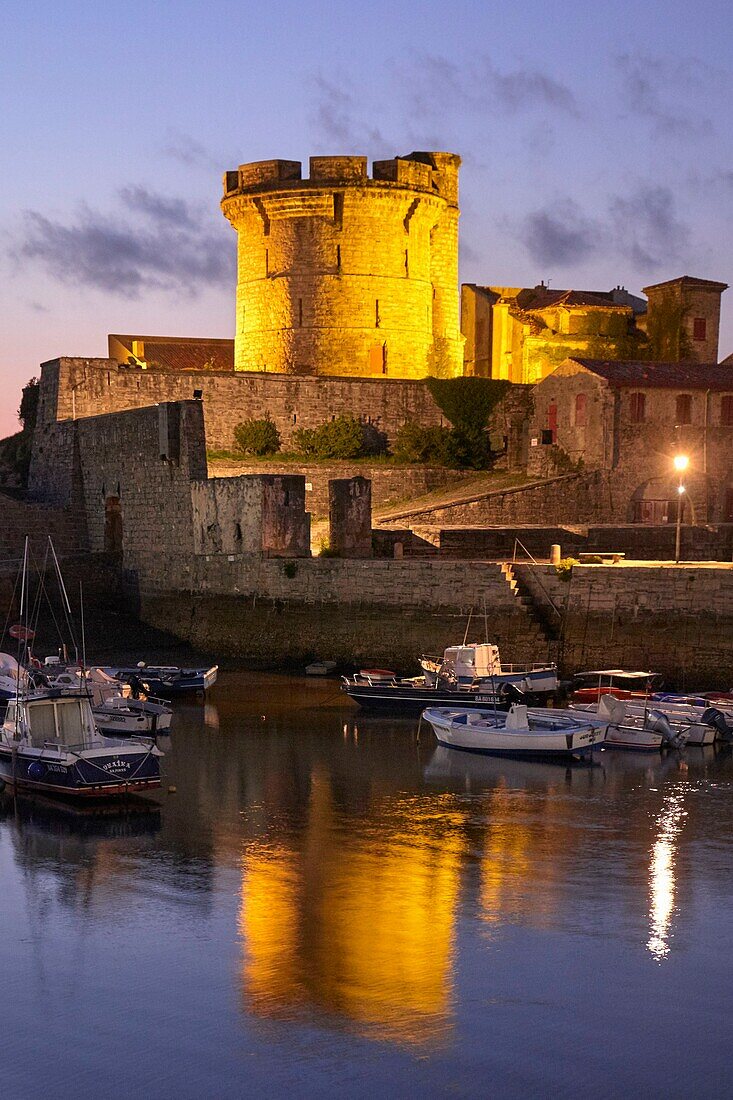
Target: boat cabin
x,y
64,721
477,661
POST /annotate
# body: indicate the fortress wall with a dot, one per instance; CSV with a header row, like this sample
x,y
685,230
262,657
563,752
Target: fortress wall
x,y
92,387
390,484
673,619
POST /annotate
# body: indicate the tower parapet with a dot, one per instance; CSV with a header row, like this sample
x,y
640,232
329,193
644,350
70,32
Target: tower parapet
x,y
346,274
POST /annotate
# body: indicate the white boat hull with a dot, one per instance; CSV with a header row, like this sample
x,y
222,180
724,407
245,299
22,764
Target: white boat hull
x,y
473,732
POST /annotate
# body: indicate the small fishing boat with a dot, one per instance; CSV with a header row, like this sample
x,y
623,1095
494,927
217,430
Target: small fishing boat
x,y
465,676
166,680
523,731
320,668
51,743
114,707
588,687
630,726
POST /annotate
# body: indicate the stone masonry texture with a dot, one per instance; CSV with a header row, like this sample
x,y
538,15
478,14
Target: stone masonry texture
x,y
347,274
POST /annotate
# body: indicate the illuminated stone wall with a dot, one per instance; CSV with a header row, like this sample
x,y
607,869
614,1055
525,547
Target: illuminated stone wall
x,y
347,274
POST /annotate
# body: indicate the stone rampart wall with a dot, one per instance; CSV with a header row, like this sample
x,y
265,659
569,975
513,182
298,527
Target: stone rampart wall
x,y
570,498
390,484
66,526
80,388
675,620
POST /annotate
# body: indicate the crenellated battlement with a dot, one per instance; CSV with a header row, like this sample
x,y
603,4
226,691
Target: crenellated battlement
x,y
430,172
347,273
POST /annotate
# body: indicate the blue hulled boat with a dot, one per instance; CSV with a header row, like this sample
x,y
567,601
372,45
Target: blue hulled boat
x,y
49,742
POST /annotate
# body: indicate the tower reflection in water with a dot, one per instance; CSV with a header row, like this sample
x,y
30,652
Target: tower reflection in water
x,y
359,926
662,873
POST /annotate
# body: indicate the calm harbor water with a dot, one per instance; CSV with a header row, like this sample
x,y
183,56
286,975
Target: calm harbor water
x,y
328,905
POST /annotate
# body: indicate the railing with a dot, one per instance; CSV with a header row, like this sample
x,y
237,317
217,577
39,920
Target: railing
x,y
518,542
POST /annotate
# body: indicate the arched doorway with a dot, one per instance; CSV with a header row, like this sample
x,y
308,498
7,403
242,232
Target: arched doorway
x,y
113,526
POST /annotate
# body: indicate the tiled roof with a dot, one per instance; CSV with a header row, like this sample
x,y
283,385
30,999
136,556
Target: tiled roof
x,y
687,280
543,298
686,376
175,353
191,355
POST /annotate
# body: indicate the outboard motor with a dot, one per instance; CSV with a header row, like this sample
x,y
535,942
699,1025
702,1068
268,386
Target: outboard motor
x,y
715,718
658,722
512,693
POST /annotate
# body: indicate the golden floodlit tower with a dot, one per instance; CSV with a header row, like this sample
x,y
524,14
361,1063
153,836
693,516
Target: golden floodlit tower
x,y
347,274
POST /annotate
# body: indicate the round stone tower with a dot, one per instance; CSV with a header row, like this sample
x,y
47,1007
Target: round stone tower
x,y
346,274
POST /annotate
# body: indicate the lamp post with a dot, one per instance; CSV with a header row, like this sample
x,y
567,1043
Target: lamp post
x,y
681,462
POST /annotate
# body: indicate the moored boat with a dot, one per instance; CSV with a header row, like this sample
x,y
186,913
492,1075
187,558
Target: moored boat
x,y
523,731
115,708
50,743
641,727
166,680
469,676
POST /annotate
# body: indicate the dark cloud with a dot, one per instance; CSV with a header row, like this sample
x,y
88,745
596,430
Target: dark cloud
x,y
337,119
560,234
646,227
158,243
434,95
190,152
528,89
663,91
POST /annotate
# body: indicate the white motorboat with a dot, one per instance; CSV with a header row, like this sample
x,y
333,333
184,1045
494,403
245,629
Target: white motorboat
x,y
115,709
631,725
522,731
13,677
50,743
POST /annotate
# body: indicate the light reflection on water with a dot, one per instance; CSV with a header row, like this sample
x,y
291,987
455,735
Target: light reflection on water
x,y
324,885
669,824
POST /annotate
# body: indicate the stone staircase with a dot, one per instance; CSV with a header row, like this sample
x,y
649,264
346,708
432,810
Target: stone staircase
x,y
542,614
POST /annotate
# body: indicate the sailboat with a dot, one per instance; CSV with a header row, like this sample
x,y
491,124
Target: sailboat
x,y
49,741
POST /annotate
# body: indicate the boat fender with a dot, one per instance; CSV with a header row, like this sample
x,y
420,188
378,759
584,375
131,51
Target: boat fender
x,y
36,770
715,718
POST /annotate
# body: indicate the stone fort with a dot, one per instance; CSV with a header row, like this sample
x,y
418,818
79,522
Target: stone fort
x,y
347,274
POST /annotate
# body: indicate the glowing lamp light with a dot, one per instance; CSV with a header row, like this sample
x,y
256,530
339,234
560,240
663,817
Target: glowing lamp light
x,y
681,462
680,489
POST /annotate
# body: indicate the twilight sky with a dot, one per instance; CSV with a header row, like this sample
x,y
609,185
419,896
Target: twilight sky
x,y
597,145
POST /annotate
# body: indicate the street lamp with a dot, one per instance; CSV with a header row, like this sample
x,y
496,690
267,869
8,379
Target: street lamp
x,y
681,462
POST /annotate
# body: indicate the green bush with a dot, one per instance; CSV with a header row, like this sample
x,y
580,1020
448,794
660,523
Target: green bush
x,y
468,404
257,437
342,437
416,443
564,568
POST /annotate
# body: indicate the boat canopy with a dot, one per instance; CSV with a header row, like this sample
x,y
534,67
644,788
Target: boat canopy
x,y
10,667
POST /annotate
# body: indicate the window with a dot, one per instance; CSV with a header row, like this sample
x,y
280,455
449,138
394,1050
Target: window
x,y
552,421
683,409
378,359
338,256
407,263
581,405
637,408
377,318
300,312
726,410
699,328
